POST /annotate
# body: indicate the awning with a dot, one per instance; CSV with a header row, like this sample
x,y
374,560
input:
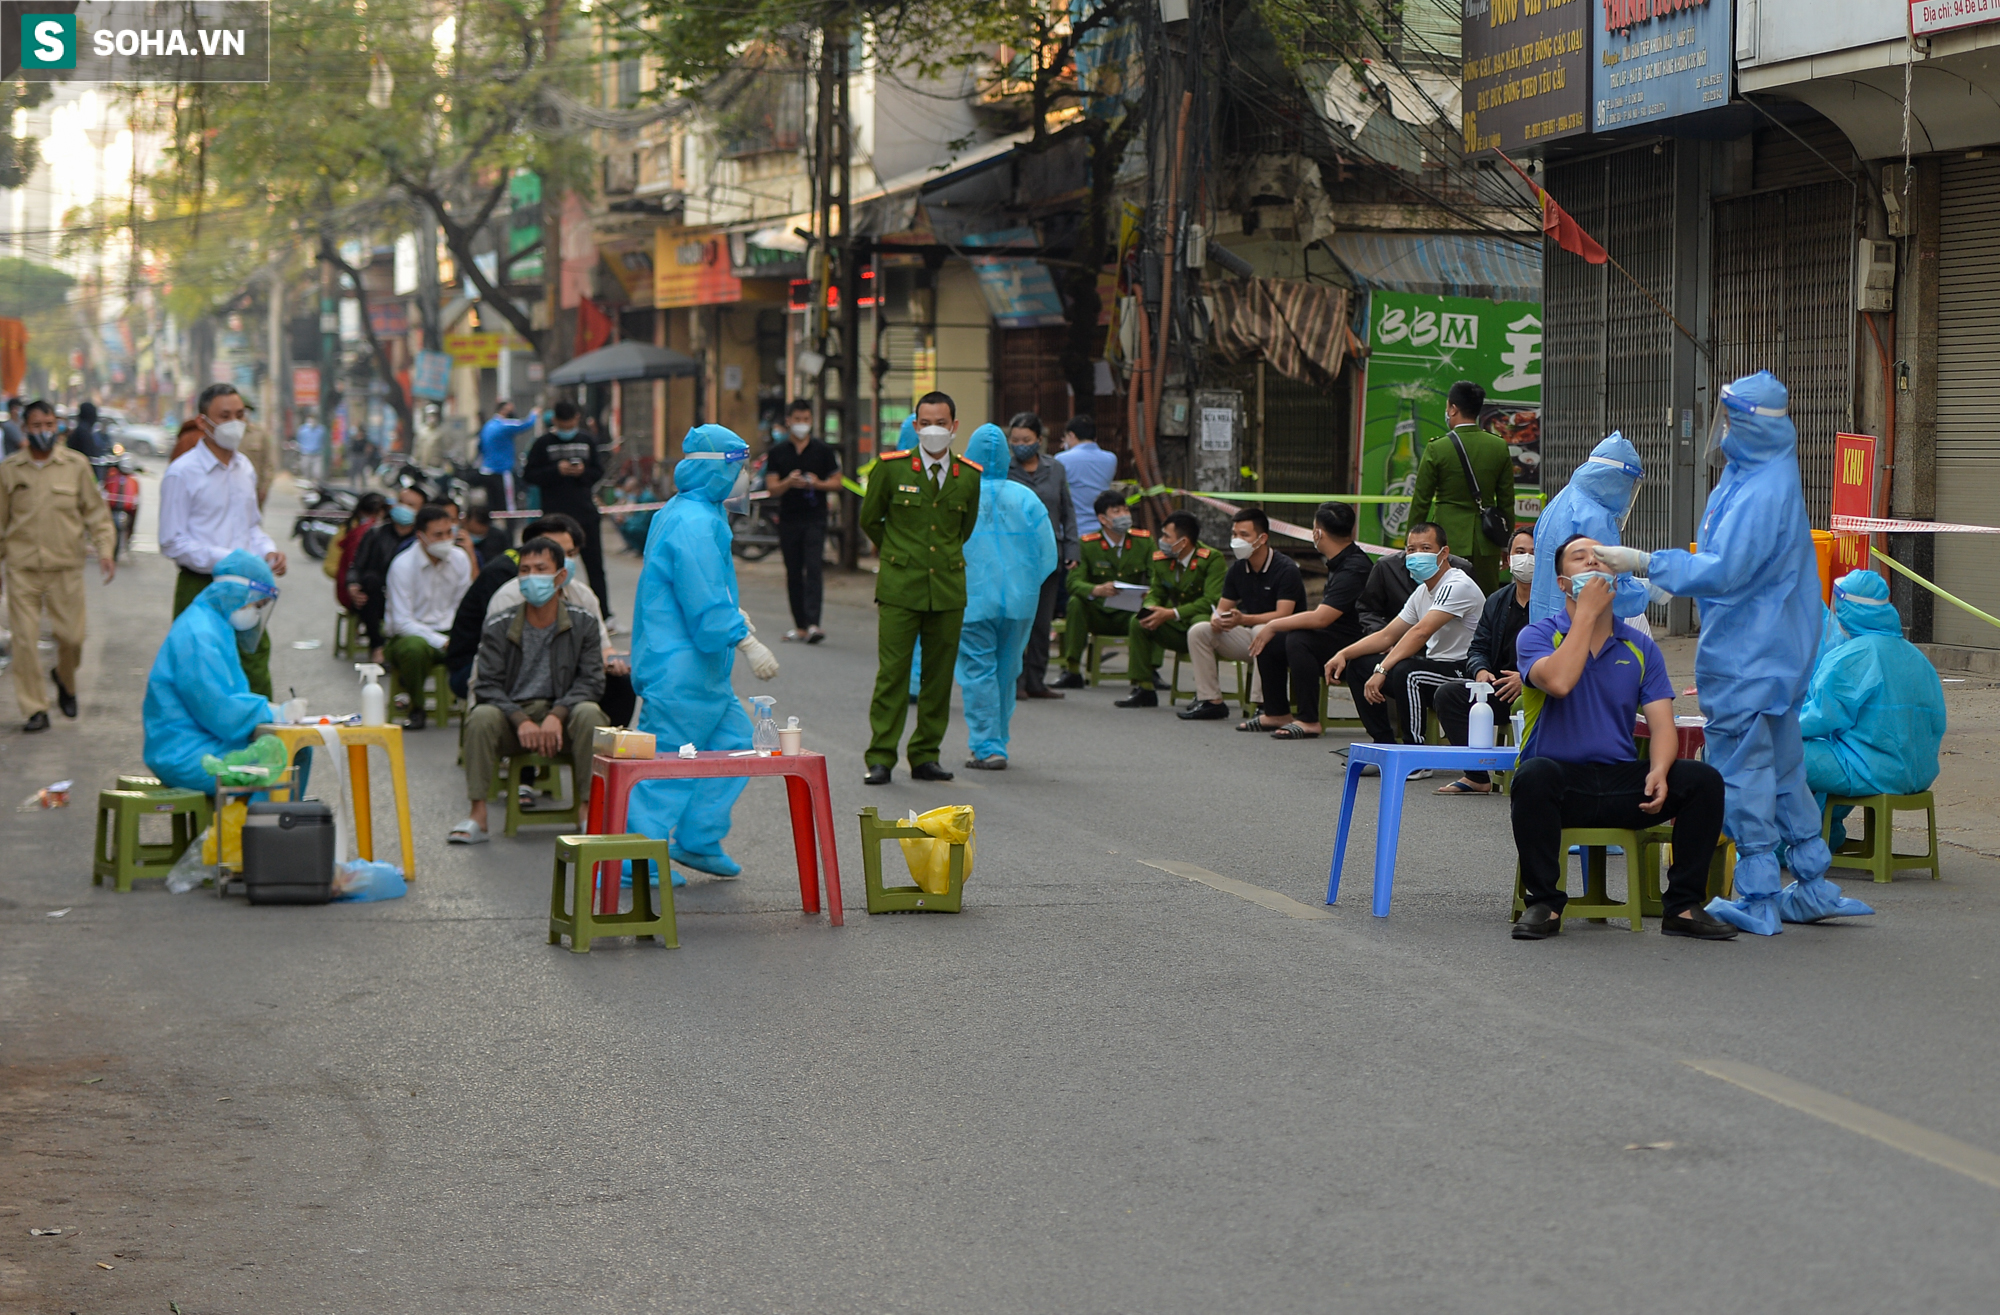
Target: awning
x,y
1442,264
624,361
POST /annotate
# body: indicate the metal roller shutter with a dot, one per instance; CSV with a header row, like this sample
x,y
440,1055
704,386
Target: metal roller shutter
x,y
1968,449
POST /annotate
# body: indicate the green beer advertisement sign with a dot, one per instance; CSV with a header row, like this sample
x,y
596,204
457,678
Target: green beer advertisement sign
x,y
1419,346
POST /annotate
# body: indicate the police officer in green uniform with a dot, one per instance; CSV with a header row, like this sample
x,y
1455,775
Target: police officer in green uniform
x,y
1116,552
1187,584
920,508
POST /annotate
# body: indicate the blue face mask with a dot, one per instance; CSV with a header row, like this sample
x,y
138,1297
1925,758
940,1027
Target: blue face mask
x,y
538,589
1421,565
403,515
1582,578
567,433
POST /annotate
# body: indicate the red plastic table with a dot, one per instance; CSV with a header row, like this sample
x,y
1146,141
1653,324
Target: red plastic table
x,y
612,780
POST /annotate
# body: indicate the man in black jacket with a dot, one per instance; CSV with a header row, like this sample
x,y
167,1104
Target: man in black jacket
x,y
1491,659
368,572
566,464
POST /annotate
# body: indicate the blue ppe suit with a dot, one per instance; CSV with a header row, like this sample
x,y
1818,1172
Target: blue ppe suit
x,y
1599,493
198,701
1874,717
1756,576
1011,551
686,626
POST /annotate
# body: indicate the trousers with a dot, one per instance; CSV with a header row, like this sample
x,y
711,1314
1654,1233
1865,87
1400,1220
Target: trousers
x,y
1208,648
1035,647
1410,685
1375,717
1550,795
896,633
1150,646
410,658
1087,618
694,816
257,662
1297,658
31,595
489,737
802,539
989,663
1762,760
1453,705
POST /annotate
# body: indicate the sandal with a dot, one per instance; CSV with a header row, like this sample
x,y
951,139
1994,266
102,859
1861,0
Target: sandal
x,y
1463,786
1254,726
467,832
1293,731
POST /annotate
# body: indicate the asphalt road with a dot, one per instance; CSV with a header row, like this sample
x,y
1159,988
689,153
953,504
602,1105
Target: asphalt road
x,y
1104,1087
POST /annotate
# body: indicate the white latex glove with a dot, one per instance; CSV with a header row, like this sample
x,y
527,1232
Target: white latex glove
x,y
1623,560
747,621
762,664
292,713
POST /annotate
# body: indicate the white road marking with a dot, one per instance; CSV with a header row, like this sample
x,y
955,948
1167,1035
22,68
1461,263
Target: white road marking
x,y
1945,1152
1258,895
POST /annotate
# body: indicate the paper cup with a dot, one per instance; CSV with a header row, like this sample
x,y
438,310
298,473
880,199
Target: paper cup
x,y
788,743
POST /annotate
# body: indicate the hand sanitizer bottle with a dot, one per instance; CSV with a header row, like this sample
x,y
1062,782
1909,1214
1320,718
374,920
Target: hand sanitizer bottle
x,y
1479,718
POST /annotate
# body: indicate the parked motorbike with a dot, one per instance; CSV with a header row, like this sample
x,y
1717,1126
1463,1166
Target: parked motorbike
x,y
754,534
327,507
120,478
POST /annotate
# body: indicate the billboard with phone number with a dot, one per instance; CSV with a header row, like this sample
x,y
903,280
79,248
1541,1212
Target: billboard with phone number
x,y
1418,347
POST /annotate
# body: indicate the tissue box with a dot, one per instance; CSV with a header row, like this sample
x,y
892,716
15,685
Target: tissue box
x,y
614,742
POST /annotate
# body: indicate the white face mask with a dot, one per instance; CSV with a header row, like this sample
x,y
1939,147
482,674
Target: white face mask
x,y
1522,566
935,440
802,429
229,435
440,549
1242,548
247,617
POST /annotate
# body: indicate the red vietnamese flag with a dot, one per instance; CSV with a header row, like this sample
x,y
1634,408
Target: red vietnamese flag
x,y
1558,223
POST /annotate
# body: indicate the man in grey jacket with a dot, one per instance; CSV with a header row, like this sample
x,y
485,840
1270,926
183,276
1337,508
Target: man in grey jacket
x,y
1045,476
540,673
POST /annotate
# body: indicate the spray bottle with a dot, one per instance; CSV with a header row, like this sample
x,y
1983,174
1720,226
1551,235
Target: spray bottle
x,y
765,738
374,699
1479,718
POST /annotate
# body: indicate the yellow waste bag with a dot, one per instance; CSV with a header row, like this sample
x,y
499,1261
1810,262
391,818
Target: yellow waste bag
x,y
229,824
930,860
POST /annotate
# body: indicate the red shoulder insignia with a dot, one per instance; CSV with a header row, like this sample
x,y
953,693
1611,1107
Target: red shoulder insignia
x,y
1139,533
892,456
1159,556
974,464
1203,552
1092,538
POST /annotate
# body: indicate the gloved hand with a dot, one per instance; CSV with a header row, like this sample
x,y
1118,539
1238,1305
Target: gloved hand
x,y
292,713
762,665
1623,560
750,627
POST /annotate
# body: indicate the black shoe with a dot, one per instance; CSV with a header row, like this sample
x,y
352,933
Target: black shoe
x,y
1042,692
994,764
38,722
1139,698
1538,923
878,774
65,697
416,721
1698,923
1203,712
929,771
1069,680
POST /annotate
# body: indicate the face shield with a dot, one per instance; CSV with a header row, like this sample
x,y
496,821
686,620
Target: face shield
x,y
1718,424
737,501
1638,476
254,617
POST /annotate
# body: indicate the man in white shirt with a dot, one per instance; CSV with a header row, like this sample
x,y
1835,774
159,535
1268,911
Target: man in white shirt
x,y
426,583
1426,644
209,509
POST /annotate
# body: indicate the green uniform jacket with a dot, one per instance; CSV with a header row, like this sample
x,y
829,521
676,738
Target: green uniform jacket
x,y
1192,592
920,531
1442,497
1096,564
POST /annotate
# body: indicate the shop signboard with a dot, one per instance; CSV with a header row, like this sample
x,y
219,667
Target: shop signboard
x,y
691,268
1929,16
1659,59
431,376
1527,72
1419,346
305,387
1853,495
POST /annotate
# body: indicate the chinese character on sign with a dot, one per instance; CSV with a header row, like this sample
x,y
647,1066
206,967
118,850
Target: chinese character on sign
x,y
1523,357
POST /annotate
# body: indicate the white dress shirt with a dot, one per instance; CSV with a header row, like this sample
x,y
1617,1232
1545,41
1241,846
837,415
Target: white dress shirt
x,y
209,510
424,593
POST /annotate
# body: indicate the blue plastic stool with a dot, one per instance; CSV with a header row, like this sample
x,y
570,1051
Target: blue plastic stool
x,y
1396,762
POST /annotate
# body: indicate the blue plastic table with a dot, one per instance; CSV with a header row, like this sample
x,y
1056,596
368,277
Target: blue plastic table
x,y
1397,761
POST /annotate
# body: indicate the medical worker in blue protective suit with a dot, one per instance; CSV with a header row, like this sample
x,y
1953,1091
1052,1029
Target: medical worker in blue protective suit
x,y
1011,551
1875,714
198,700
686,630
1757,580
1595,502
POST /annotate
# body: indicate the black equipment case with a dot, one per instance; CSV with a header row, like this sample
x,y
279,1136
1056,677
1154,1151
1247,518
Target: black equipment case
x,y
288,853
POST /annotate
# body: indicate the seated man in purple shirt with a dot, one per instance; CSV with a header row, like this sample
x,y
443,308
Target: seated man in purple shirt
x,y
1577,767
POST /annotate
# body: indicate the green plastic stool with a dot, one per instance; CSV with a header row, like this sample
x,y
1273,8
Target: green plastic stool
x,y
117,852
143,783
517,817
437,699
903,899
1876,850
1174,691
349,639
575,918
1642,873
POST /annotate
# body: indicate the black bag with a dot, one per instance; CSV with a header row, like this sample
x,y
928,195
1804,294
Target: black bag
x,y
288,853
1496,523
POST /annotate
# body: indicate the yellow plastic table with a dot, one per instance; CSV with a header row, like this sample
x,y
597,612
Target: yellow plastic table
x,y
357,739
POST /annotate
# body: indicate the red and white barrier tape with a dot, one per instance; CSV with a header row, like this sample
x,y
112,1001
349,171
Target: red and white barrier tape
x,y
615,509
1282,527
1874,525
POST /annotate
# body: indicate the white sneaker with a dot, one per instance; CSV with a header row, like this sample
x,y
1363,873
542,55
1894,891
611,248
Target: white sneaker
x,y
1421,774
794,636
467,832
